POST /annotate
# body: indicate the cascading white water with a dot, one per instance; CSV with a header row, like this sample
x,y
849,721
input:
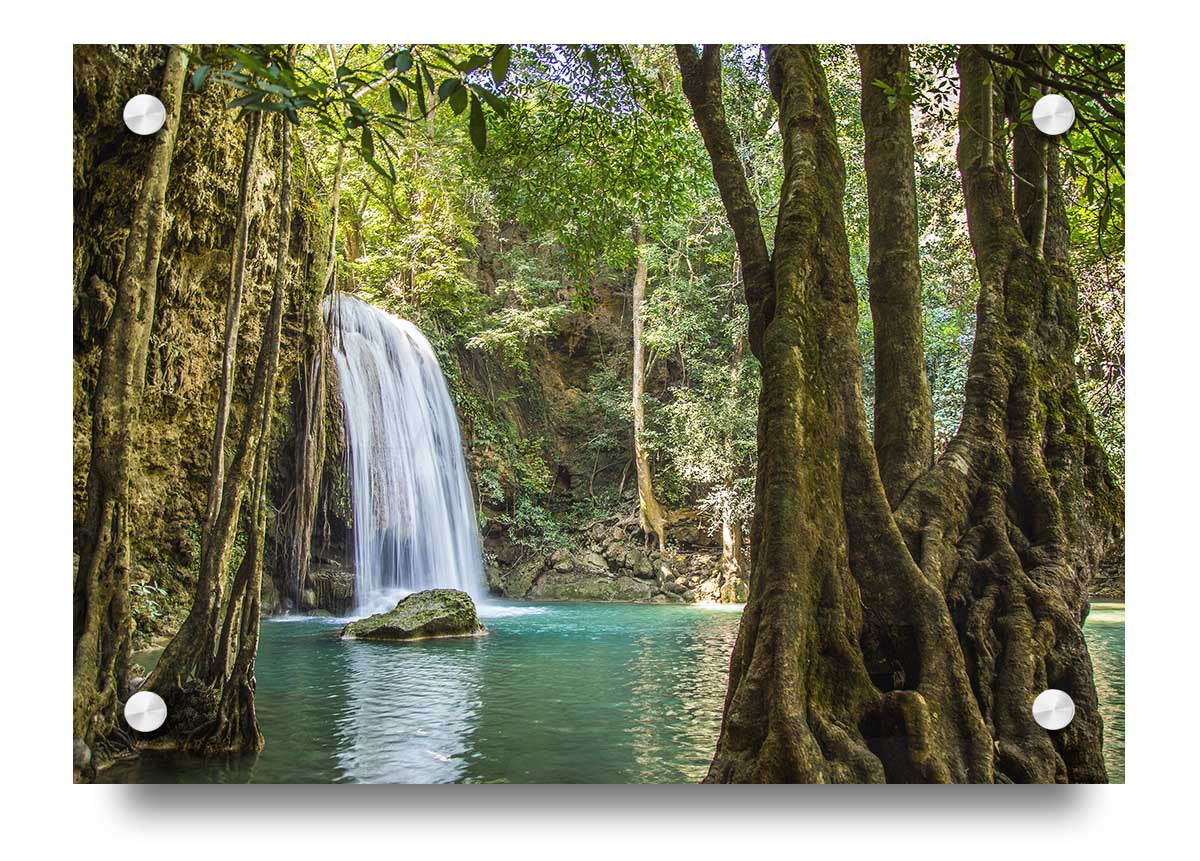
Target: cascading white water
x,y
414,520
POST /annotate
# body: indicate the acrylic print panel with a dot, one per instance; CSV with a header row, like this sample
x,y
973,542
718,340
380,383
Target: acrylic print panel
x,y
599,413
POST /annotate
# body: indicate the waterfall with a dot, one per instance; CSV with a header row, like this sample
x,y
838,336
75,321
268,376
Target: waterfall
x,y
414,520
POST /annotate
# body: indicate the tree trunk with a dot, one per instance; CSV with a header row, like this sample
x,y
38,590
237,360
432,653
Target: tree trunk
x,y
310,459
215,544
909,646
199,628
903,403
206,674
310,438
1017,515
649,511
735,567
233,313
1031,174
733,560
102,625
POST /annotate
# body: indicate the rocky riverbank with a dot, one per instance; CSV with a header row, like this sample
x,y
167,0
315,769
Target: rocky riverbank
x,y
608,560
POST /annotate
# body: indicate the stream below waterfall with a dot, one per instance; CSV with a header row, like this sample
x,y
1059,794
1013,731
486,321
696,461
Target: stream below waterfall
x,y
570,693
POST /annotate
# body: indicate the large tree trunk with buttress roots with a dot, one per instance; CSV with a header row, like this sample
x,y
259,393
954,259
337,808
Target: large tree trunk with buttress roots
x,y
905,646
102,622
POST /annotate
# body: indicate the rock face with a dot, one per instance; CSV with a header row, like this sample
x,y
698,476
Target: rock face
x,y
421,616
606,562
174,429
1109,583
332,589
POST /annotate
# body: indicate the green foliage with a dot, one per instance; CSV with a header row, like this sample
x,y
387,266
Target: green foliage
x,y
949,283
598,138
1100,360
1093,149
702,430
582,143
529,305
532,525
949,333
752,115
334,85
148,604
606,413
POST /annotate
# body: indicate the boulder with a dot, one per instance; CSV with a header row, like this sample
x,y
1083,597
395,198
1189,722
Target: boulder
x,y
509,554
421,616
570,585
629,589
593,561
514,582
640,564
608,560
491,576
332,589
580,585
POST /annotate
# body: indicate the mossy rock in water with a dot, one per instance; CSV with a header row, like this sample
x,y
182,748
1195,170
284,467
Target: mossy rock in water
x,y
421,616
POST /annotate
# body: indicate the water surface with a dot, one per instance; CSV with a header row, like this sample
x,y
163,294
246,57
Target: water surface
x,y
1104,631
596,693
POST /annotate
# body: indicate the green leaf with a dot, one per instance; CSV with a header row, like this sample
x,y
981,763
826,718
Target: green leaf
x,y
589,57
399,103
368,143
475,61
422,109
458,100
478,126
250,61
384,170
500,61
401,61
252,100
447,88
496,103
200,76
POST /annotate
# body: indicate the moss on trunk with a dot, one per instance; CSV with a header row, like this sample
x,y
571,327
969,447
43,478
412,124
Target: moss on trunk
x,y
102,619
908,645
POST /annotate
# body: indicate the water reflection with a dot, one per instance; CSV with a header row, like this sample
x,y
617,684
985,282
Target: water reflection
x,y
409,709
